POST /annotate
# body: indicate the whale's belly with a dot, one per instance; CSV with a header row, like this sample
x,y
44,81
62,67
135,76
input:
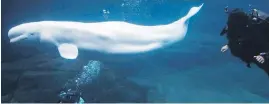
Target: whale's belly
x,y
108,44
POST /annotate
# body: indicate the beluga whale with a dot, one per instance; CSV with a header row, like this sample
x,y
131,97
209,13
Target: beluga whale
x,y
111,37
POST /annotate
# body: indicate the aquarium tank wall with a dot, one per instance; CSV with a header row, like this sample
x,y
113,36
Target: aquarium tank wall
x,y
134,51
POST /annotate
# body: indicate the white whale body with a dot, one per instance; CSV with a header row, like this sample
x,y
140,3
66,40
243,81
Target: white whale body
x,y
112,37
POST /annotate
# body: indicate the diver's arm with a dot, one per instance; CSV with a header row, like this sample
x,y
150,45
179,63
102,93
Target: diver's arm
x,y
266,55
224,30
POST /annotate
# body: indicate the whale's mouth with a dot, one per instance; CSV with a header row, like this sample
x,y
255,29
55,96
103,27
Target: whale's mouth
x,y
18,38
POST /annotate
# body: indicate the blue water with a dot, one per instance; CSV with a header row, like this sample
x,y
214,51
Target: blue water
x,y
192,70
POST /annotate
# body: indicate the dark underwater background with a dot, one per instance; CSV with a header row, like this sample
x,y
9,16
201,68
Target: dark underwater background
x,y
191,70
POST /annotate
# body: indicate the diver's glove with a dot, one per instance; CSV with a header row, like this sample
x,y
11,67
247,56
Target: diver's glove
x,y
262,57
224,48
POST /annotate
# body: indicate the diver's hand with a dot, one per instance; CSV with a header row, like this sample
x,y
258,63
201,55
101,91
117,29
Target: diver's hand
x,y
224,48
259,58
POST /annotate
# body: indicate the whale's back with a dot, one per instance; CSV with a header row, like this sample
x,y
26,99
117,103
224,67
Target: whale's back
x,y
120,37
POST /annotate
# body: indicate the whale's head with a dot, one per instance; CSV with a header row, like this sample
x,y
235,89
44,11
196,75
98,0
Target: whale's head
x,y
26,31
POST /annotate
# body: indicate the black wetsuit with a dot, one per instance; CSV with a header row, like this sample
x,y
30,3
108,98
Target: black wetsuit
x,y
247,38
260,37
240,41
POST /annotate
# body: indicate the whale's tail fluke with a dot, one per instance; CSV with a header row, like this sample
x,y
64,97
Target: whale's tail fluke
x,y
193,11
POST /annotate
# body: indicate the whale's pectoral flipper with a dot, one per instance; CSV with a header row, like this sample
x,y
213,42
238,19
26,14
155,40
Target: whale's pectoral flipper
x,y
68,51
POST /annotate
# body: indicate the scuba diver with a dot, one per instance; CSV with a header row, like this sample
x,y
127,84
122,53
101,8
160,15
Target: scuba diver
x,y
71,96
248,36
